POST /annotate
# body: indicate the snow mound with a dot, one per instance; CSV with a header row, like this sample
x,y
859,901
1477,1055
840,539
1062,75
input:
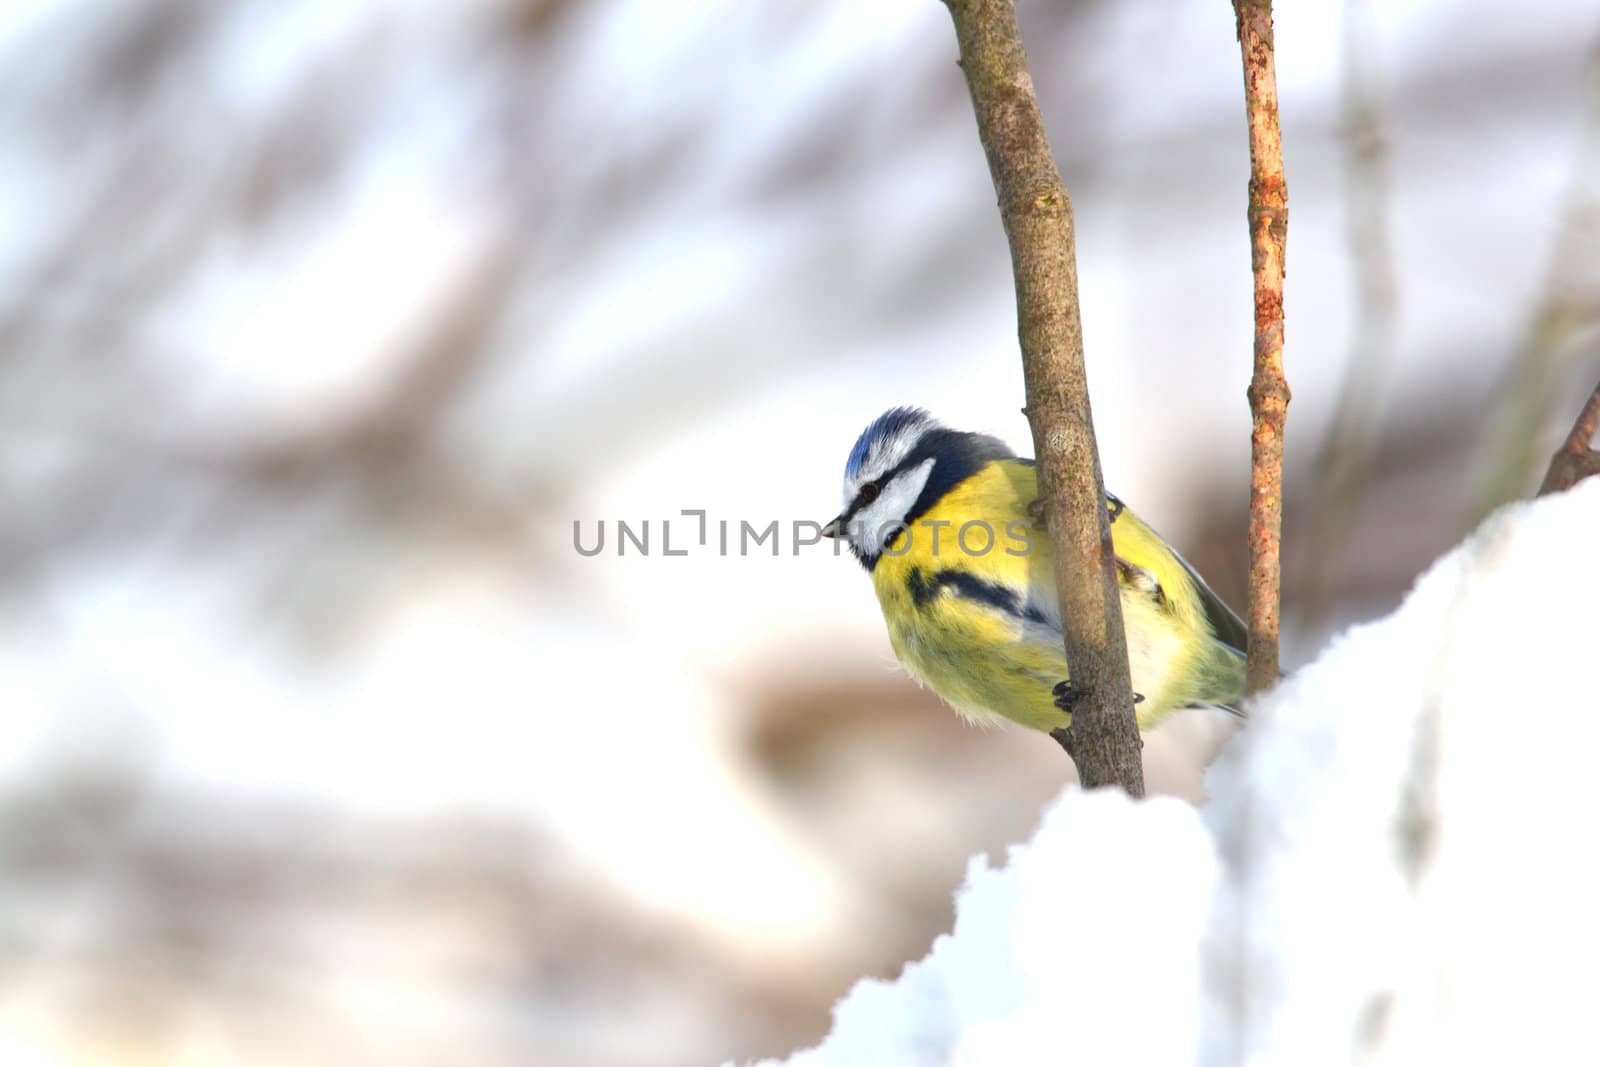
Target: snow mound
x,y
1396,865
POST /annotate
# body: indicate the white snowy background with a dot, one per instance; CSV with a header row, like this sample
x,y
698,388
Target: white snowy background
x,y
322,321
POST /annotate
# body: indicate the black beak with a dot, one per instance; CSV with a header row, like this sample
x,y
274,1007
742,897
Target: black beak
x,y
834,528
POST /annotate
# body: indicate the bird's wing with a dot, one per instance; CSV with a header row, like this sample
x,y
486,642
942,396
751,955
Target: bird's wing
x,y
1225,622
1147,565
1140,546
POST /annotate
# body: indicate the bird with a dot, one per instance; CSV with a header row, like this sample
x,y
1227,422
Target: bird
x,y
947,523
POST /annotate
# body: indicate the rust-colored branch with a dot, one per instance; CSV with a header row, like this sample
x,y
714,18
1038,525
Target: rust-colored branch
x,y
1103,739
1575,460
1269,391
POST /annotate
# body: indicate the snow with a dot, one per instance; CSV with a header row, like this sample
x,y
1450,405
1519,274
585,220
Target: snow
x,y
1394,866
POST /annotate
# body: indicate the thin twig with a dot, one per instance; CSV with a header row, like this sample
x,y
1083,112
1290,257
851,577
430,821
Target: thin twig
x,y
1269,391
1103,739
1575,460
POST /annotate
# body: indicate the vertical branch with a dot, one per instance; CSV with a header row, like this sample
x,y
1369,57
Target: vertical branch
x,y
1103,739
1575,460
1269,392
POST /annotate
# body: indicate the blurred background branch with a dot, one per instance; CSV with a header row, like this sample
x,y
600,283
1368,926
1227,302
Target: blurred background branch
x,y
1559,338
1343,468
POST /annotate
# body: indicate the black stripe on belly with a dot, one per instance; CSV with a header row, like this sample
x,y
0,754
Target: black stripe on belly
x,y
924,590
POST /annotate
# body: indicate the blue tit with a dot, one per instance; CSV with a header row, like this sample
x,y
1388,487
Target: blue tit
x,y
945,523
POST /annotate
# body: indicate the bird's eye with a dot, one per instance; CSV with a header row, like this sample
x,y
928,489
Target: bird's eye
x,y
869,492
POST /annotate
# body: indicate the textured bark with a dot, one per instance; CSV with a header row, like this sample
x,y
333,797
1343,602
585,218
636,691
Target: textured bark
x,y
1269,391
1575,460
1103,739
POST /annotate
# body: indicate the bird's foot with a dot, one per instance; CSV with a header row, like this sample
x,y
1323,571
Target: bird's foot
x,y
1066,695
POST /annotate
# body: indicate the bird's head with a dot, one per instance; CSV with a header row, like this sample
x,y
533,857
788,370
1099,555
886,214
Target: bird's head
x,y
899,468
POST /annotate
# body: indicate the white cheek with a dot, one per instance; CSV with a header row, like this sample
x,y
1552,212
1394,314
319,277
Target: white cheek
x,y
878,521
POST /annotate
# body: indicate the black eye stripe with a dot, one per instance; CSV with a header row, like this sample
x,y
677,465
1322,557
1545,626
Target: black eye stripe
x,y
866,495
870,492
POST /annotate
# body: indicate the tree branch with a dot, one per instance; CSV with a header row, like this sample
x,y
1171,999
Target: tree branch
x,y
1269,391
1103,739
1575,460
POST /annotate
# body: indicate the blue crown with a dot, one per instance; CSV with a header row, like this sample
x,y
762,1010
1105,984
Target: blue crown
x,y
891,423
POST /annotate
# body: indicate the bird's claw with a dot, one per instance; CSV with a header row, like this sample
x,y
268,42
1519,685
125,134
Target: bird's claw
x,y
1066,695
